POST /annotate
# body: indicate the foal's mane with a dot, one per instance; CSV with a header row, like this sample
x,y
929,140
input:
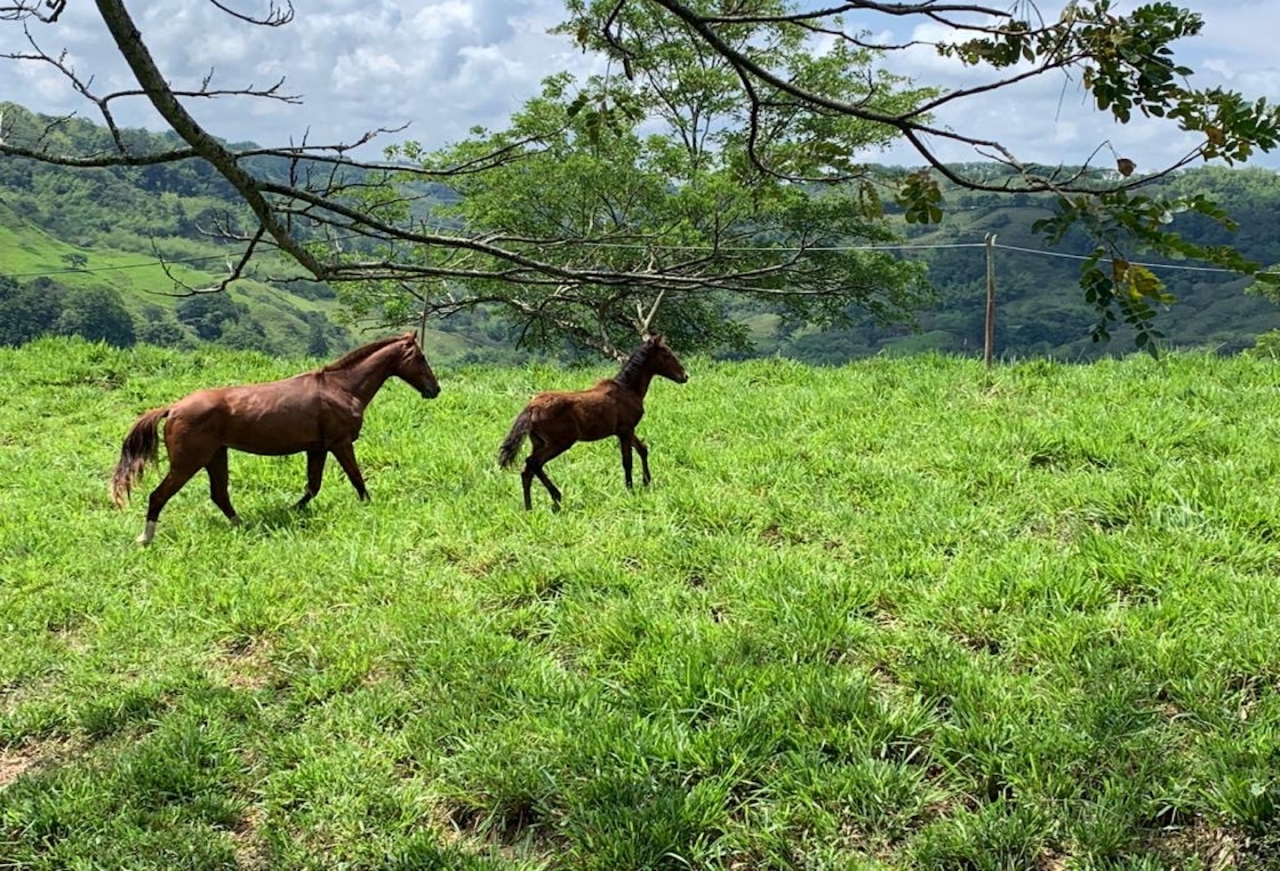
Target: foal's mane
x,y
353,357
638,360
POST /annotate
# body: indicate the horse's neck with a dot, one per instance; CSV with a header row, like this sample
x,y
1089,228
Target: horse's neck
x,y
636,381
365,377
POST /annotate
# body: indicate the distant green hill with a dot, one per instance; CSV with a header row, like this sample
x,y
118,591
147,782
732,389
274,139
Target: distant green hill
x,y
77,245
73,239
1041,310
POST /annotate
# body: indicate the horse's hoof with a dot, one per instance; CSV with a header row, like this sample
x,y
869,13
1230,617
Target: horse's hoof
x,y
142,541
555,507
234,521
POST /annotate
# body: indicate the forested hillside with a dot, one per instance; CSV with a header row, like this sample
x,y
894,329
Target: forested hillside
x,y
81,251
106,253
1041,309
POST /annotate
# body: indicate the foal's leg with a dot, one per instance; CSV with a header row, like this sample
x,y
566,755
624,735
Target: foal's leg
x,y
543,453
643,451
627,441
552,490
624,442
346,455
218,480
526,481
315,475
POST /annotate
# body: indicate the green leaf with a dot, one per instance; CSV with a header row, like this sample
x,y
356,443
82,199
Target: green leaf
x,y
576,106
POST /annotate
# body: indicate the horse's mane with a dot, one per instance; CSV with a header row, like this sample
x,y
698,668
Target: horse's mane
x,y
638,359
353,357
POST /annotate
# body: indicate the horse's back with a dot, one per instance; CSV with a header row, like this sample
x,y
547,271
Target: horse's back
x,y
276,417
199,407
584,415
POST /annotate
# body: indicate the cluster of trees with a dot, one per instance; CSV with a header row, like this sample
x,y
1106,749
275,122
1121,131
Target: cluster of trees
x,y
186,200
169,211
42,306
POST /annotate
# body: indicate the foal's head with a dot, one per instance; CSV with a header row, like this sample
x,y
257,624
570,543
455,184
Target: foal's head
x,y
411,366
661,360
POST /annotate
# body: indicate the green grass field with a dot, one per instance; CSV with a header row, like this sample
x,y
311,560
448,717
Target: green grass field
x,y
903,614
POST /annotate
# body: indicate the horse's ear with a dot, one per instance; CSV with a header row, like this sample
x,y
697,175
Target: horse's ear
x,y
412,335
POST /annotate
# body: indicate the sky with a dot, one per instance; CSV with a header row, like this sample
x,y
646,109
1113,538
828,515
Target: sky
x,y
443,66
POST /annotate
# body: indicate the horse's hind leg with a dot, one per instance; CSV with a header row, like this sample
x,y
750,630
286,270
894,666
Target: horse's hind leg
x,y
219,478
543,453
315,476
643,451
178,476
532,469
526,481
551,488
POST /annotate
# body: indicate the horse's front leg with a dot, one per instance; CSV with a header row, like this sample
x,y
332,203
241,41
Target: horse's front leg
x,y
624,442
315,475
346,455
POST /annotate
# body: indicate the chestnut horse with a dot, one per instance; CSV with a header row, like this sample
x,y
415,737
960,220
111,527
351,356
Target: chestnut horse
x,y
554,421
319,412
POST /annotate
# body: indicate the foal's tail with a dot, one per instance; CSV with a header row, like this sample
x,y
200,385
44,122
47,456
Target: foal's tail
x,y
141,446
511,444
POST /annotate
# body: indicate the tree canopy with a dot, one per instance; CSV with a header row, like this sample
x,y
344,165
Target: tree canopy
x,y
650,176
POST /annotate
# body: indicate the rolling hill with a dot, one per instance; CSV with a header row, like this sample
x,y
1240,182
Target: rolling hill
x,y
98,237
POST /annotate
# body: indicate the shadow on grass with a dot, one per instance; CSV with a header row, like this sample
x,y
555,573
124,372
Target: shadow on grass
x,y
281,518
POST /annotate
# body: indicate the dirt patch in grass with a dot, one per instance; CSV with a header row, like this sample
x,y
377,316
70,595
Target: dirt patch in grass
x,y
1051,861
15,763
518,836
18,761
1218,849
246,665
250,849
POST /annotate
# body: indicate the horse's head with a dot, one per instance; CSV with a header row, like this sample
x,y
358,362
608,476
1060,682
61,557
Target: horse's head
x,y
663,361
412,367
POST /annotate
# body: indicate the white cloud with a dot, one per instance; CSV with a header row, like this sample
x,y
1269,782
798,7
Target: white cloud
x,y
1051,120
446,65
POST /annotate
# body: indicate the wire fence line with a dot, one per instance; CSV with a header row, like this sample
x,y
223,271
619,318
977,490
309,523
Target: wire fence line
x,y
905,246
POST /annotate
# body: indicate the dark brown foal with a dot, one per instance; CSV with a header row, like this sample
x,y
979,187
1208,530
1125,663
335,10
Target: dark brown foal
x,y
318,412
554,421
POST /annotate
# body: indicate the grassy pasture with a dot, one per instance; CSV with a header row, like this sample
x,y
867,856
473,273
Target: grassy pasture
x,y
902,614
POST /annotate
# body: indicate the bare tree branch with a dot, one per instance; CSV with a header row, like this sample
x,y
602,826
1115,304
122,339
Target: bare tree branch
x,y
47,11
277,16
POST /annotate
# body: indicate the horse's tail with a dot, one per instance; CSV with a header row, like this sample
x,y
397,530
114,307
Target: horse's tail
x,y
141,446
511,444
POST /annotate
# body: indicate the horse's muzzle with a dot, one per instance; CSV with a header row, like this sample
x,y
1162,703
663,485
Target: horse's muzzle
x,y
430,392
